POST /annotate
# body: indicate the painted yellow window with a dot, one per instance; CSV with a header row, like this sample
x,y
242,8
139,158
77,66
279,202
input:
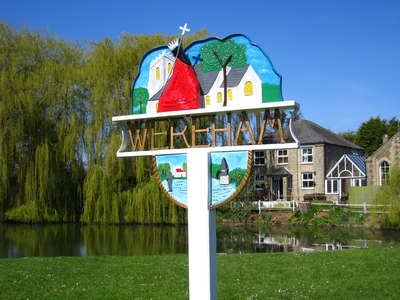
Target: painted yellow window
x,y
230,95
248,88
169,68
219,97
207,100
158,73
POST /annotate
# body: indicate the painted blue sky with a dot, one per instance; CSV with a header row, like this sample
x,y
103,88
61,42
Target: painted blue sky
x,y
339,59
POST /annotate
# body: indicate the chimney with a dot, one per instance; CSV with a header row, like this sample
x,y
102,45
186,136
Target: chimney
x,y
385,138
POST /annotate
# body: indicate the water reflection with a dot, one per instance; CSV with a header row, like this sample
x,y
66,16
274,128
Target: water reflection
x,y
90,240
19,240
294,239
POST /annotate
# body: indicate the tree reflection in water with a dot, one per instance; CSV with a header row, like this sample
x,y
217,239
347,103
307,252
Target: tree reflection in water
x,y
43,240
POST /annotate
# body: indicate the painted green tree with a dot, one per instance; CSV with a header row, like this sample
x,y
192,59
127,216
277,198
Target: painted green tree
x,y
163,170
140,99
210,62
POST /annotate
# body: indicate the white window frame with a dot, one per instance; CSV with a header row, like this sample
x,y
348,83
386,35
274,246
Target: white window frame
x,y
257,157
358,182
282,154
305,156
309,181
384,171
332,186
259,181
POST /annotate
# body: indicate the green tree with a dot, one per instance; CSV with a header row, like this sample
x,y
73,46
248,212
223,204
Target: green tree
x,y
42,120
58,144
370,134
349,135
393,127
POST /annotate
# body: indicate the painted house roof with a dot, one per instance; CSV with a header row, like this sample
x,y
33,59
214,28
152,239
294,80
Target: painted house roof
x,y
206,80
309,133
235,75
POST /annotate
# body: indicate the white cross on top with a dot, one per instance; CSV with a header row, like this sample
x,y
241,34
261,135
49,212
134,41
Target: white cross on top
x,y
184,29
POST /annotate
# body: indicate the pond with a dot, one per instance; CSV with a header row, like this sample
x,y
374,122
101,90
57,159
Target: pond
x,y
44,240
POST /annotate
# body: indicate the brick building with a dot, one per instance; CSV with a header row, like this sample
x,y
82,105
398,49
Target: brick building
x,y
298,174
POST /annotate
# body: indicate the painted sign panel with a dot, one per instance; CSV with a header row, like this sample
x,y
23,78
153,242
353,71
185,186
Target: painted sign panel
x,y
229,172
208,73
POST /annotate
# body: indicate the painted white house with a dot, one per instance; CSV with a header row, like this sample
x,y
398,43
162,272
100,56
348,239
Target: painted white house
x,y
243,86
179,173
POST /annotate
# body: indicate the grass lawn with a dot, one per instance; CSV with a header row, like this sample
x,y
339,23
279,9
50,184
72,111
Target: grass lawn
x,y
349,274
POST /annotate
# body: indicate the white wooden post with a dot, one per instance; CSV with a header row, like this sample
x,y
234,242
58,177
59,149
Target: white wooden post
x,y
202,227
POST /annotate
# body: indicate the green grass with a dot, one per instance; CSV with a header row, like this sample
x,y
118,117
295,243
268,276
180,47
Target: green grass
x,y
349,274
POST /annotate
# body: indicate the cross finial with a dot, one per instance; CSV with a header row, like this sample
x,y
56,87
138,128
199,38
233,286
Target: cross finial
x,y
184,29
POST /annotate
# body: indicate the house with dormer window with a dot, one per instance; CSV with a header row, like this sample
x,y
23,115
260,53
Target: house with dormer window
x,y
323,167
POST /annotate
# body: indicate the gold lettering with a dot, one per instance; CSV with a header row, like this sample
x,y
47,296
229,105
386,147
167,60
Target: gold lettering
x,y
143,134
141,142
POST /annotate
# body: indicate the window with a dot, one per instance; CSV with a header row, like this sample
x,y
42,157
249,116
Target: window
x,y
158,73
331,186
358,182
306,155
248,88
384,172
219,97
208,100
259,182
230,95
307,180
259,158
169,68
282,157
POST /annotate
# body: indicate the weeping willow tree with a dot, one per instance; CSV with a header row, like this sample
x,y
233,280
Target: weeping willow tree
x,y
58,144
120,190
42,121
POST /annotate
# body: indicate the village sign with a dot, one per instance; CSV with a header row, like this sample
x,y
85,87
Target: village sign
x,y
208,95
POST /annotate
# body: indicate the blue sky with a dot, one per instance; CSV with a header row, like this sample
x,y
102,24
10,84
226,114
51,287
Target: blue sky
x,y
340,59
